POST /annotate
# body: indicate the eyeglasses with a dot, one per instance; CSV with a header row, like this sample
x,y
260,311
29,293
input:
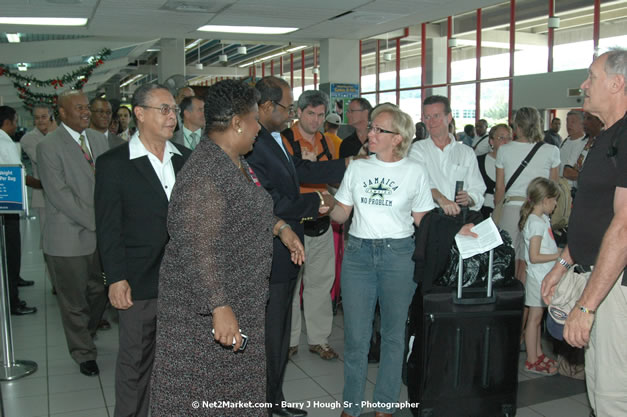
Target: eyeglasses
x,y
436,116
290,109
107,112
164,109
502,138
355,110
377,130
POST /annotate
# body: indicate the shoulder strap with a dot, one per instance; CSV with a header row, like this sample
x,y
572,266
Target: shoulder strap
x,y
563,142
325,149
480,140
523,165
289,135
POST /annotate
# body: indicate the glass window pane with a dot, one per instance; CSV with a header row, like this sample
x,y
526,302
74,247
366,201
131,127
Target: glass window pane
x,y
411,73
464,55
368,68
411,103
494,101
387,97
463,105
387,65
495,41
372,99
532,51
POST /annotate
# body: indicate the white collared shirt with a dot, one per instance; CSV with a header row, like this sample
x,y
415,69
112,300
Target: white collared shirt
x,y
279,141
187,136
77,135
164,170
456,162
9,154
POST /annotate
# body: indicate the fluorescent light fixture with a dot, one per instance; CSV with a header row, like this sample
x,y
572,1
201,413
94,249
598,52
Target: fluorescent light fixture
x,y
259,30
22,67
132,80
193,44
241,50
265,58
554,22
199,66
44,21
387,56
453,42
13,37
223,58
153,50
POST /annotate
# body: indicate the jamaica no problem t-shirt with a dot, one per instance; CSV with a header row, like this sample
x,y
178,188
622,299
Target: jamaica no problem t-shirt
x,y
383,196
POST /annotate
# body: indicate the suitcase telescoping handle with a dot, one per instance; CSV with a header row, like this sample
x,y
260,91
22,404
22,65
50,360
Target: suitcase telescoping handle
x,y
489,298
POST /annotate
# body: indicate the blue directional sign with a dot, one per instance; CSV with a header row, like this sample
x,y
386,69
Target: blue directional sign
x,y
12,189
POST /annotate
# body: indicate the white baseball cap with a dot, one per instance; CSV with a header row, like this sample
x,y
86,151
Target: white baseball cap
x,y
334,118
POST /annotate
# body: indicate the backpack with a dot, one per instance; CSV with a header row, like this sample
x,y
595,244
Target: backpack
x,y
559,218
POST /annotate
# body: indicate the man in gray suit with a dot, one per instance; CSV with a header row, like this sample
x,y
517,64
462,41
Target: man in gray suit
x,y
193,115
66,167
101,115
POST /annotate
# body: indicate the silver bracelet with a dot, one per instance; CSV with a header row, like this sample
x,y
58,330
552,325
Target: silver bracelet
x,y
565,264
283,226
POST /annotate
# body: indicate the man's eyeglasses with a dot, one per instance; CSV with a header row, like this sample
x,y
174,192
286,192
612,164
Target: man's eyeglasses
x,y
164,109
290,109
377,130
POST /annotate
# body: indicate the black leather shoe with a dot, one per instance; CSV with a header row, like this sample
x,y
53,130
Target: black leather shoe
x,y
24,283
288,412
89,368
23,310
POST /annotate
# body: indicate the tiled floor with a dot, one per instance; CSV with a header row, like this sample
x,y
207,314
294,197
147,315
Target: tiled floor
x,y
58,389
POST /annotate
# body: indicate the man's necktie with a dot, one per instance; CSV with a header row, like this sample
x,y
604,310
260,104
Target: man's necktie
x,y
85,150
193,140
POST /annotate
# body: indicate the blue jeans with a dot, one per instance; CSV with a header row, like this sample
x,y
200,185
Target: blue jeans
x,y
374,269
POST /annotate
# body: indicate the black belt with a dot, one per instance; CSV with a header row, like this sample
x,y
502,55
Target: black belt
x,y
581,269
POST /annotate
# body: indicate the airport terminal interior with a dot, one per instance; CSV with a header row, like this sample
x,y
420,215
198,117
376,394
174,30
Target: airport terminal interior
x,y
489,56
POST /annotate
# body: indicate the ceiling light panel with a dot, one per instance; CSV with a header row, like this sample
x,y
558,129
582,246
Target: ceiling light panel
x,y
44,21
259,30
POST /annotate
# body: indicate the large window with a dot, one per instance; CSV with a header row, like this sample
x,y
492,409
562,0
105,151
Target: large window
x,y
450,68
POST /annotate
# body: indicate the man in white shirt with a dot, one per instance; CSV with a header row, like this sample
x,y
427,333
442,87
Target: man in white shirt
x,y
134,182
43,118
193,115
66,167
480,143
9,155
572,146
447,161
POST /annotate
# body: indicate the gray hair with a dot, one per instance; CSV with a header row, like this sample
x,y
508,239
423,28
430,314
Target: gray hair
x,y
313,98
578,113
402,123
44,106
616,63
140,96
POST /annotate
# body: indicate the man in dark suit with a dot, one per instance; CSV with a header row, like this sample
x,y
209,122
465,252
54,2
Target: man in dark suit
x,y
101,115
66,170
133,186
281,174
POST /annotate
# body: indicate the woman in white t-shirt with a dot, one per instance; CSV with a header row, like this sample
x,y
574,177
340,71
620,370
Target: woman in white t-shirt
x,y
389,194
545,163
499,135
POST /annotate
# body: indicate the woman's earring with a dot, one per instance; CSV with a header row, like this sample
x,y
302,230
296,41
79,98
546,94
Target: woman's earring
x,y
239,130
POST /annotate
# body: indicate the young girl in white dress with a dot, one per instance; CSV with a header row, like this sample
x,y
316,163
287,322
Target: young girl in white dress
x,y
540,254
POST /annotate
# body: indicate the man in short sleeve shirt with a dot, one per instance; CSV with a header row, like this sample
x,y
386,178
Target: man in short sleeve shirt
x,y
597,242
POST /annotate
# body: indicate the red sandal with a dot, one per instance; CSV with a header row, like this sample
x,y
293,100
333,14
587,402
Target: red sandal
x,y
542,366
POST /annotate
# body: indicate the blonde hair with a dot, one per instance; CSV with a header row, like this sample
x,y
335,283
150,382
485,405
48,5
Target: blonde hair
x,y
539,189
401,122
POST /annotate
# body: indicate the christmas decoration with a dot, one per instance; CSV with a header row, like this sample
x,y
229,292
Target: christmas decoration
x,y
77,79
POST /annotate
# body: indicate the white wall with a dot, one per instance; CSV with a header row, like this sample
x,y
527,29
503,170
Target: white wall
x,y
549,90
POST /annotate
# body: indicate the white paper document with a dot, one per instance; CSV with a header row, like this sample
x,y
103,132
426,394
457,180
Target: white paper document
x,y
489,238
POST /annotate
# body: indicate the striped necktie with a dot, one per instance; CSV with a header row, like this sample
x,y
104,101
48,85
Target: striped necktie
x,y
85,149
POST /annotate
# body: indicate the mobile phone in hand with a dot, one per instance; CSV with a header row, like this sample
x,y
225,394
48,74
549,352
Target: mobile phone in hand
x,y
244,340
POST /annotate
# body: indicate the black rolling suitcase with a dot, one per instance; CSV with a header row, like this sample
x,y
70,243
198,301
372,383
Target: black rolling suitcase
x,y
464,356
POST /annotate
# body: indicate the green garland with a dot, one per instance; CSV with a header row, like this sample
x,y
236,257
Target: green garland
x,y
77,79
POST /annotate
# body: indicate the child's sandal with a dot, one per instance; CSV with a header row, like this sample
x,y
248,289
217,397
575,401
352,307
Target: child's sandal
x,y
541,367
